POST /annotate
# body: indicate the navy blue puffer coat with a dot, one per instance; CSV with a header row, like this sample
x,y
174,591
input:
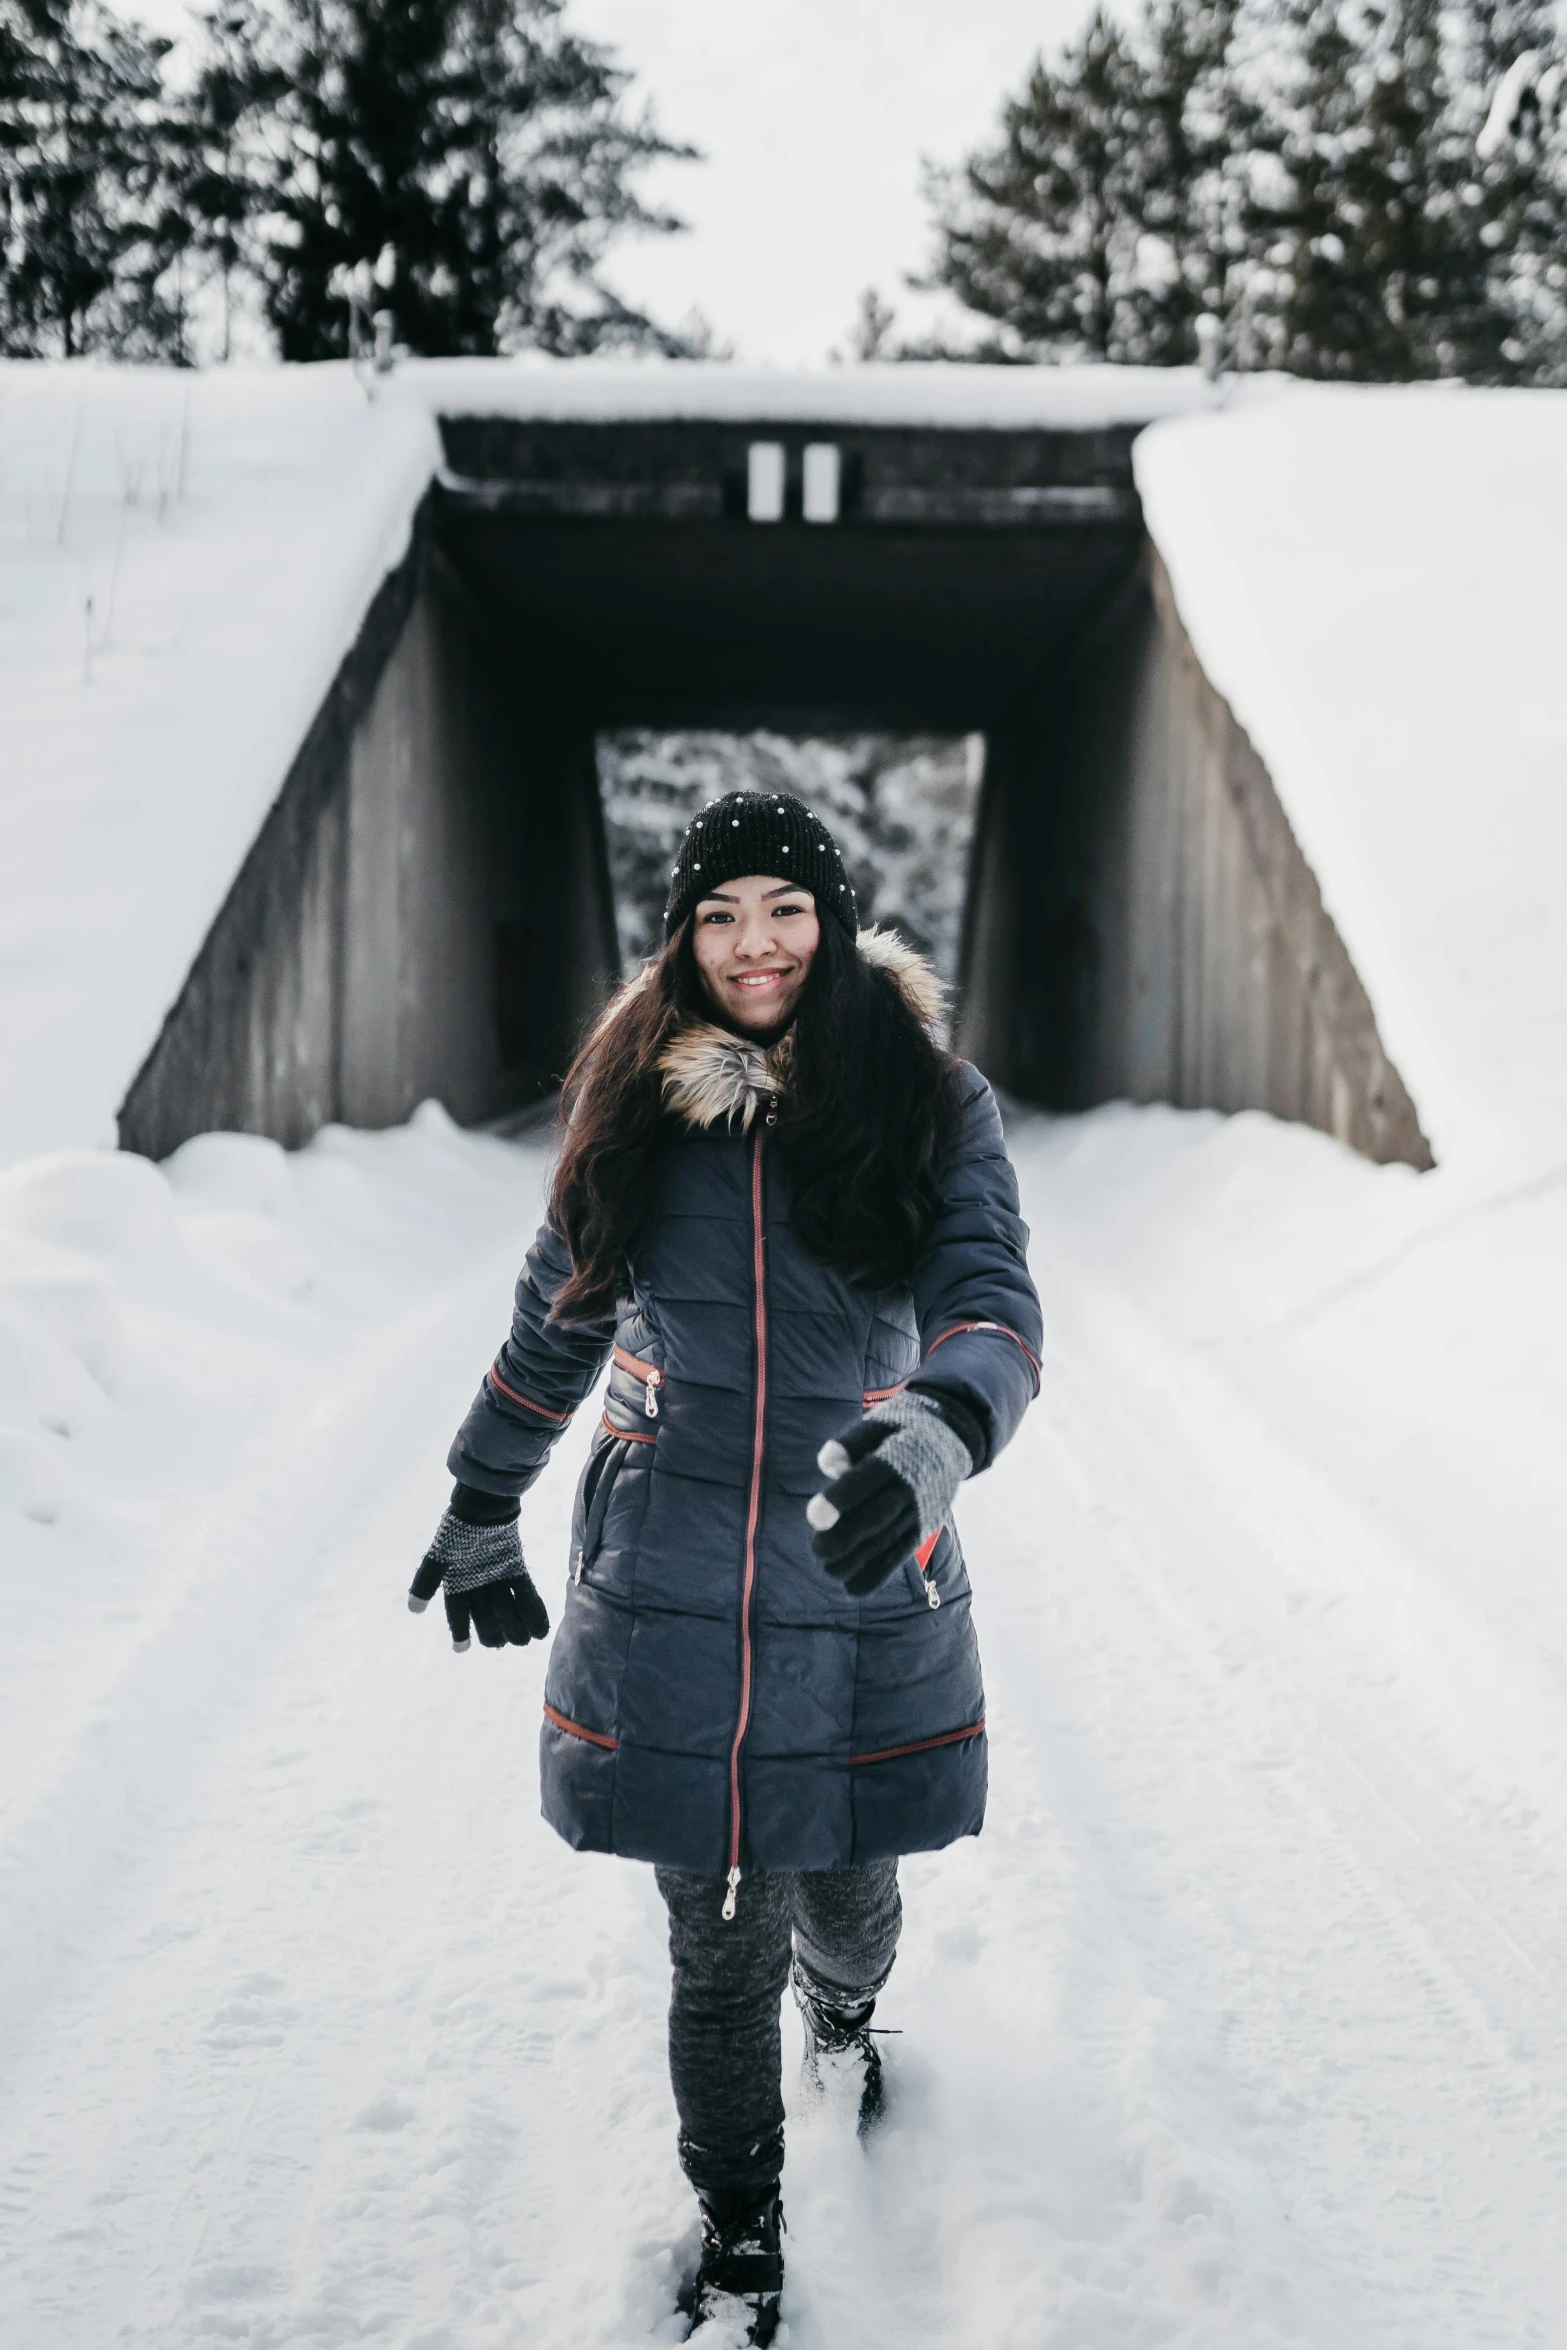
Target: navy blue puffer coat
x,y
714,1700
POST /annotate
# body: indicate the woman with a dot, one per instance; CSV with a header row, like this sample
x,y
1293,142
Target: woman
x,y
787,1219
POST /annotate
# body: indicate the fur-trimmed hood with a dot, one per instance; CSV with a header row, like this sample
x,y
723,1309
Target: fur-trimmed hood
x,y
714,1078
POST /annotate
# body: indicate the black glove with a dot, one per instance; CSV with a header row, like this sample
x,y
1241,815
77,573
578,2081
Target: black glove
x,y
892,1479
485,1580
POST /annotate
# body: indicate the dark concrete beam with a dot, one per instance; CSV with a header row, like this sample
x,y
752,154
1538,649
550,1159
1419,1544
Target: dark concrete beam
x,y
623,559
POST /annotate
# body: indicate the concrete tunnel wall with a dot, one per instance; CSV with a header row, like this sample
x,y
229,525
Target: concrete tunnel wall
x,y
426,910
1141,922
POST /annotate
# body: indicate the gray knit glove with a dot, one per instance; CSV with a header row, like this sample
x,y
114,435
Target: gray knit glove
x,y
892,1480
485,1580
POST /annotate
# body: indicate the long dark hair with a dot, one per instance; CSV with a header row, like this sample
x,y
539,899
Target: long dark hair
x,y
866,1127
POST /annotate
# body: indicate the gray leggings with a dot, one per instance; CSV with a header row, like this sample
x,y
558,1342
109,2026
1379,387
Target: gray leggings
x,y
724,2057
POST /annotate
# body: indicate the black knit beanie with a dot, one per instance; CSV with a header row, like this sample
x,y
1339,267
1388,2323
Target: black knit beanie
x,y
759,832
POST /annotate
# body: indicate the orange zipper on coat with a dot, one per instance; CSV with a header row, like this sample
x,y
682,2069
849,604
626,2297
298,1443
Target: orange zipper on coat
x,y
752,1516
515,1395
576,1730
875,1395
919,1745
625,1435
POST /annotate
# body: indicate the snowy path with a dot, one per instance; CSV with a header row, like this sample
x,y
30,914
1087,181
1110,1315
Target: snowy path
x,y
1240,2025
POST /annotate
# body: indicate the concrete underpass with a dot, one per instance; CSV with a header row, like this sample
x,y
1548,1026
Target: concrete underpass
x,y
427,908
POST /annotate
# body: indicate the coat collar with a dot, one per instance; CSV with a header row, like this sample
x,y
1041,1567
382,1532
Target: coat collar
x,y
714,1078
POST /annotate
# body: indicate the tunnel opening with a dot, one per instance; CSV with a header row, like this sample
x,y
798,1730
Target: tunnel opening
x,y
603,612
900,806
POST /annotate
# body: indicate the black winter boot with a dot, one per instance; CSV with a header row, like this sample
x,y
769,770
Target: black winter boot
x,y
741,2269
839,2047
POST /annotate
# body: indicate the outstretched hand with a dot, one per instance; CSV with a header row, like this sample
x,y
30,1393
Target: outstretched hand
x,y
891,1479
488,1588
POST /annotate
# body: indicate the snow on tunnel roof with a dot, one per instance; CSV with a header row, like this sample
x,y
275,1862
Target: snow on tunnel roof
x,y
929,393
1372,578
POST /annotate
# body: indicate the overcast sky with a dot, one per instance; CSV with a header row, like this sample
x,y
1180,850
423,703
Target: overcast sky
x,y
813,116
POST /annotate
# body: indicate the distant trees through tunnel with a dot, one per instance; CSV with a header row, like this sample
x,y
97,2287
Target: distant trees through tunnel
x,y
901,807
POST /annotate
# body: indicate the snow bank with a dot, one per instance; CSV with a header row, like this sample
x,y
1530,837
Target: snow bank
x,y
168,1335
184,561
1373,579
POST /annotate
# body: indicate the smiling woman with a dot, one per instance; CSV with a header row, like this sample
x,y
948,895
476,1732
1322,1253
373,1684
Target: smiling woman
x,y
785,1219
753,941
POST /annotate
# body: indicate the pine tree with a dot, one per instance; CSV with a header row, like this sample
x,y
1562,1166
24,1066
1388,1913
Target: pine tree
x,y
1376,194
1406,244
1107,219
1373,259
1197,128
474,150
88,234
1515,85
1039,233
219,157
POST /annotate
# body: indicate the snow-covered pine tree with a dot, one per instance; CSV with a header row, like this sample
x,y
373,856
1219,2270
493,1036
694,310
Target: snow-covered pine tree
x,y
219,154
1199,124
1108,217
478,146
1039,232
1376,268
1373,191
88,234
1513,110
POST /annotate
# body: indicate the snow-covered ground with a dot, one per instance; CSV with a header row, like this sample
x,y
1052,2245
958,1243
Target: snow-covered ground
x,y
1241,2024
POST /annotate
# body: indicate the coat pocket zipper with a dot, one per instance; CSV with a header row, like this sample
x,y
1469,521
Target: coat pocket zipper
x,y
649,1373
922,1578
596,1505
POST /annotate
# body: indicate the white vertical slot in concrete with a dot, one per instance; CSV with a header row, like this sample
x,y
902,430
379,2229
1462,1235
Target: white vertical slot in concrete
x,y
764,481
823,473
